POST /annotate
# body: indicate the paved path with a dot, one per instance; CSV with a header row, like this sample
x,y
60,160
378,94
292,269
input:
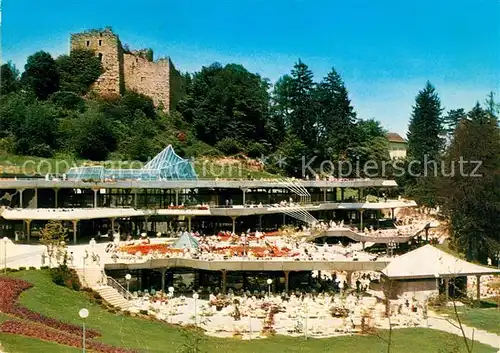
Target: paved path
x,y
443,323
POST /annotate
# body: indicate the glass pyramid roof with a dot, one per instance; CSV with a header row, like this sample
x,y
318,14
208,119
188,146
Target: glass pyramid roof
x,y
167,165
186,241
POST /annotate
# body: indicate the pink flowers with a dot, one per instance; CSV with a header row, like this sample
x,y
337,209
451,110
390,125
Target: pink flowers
x,y
29,329
40,326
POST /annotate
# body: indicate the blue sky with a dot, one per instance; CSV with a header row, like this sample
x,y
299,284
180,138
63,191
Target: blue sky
x,y
385,50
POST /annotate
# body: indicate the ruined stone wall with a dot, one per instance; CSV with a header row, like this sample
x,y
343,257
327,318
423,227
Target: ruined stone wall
x,y
176,86
107,47
149,78
125,69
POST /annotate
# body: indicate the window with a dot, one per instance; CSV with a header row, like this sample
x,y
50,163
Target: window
x,y
88,43
100,56
100,42
143,79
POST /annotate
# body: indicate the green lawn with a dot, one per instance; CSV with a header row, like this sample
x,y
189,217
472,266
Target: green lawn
x,y
149,336
19,344
484,318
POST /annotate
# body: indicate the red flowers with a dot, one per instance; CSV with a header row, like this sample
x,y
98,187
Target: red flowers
x,y
29,329
40,326
147,248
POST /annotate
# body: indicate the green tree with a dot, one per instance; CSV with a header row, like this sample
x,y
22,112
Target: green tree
x,y
226,102
93,136
78,70
288,158
36,129
302,120
9,78
425,144
280,109
139,145
425,129
53,237
370,149
452,120
337,119
133,101
492,107
471,196
41,74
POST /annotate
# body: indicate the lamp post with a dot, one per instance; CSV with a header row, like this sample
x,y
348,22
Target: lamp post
x,y
84,313
128,277
269,282
5,240
195,297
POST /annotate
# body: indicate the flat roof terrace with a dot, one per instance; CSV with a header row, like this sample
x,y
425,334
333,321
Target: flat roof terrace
x,y
252,265
189,184
235,211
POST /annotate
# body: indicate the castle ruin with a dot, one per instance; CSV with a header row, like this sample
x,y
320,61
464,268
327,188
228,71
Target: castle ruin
x,y
125,69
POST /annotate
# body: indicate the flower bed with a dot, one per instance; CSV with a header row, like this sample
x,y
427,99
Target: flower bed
x,y
145,249
47,334
12,288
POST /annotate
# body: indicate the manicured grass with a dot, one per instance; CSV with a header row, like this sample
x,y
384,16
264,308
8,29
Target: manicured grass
x,y
487,319
156,337
19,344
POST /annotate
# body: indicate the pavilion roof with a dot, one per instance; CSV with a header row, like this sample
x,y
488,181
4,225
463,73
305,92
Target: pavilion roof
x,y
186,241
428,261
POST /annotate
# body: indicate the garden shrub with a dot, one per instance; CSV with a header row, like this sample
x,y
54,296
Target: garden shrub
x,y
64,276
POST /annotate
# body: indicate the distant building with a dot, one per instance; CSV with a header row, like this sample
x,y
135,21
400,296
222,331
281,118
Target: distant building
x,y
397,145
129,69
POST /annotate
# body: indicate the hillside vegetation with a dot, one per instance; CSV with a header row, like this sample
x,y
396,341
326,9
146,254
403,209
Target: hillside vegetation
x,y
50,111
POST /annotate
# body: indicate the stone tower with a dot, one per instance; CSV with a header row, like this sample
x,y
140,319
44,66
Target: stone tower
x,y
108,48
131,70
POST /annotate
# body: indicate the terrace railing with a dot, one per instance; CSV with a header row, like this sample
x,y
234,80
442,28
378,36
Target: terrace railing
x,y
119,288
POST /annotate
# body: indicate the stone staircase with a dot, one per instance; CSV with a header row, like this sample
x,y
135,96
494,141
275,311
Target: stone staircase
x,y
96,279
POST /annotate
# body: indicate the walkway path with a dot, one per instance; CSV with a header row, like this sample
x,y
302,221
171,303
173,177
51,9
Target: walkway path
x,y
443,323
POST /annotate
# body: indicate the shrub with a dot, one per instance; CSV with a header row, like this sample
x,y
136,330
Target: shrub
x,y
44,268
256,149
32,268
68,100
22,268
64,276
229,146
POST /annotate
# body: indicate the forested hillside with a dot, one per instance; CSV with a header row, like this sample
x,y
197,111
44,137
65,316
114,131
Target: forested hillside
x,y
453,158
50,111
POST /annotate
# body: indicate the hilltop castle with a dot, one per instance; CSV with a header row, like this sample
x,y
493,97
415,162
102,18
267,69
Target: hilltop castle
x,y
131,70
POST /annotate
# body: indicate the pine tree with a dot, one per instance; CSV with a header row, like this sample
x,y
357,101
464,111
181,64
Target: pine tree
x,y
470,197
302,117
337,118
492,107
425,143
452,120
425,129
